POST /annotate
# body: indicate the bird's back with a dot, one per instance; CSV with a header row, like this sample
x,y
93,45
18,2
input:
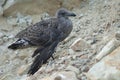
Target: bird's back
x,y
40,32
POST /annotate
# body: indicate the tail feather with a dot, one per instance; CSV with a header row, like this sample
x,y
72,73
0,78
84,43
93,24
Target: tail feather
x,y
18,44
39,61
42,58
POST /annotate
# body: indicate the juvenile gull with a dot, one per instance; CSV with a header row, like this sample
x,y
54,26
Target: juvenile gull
x,y
45,35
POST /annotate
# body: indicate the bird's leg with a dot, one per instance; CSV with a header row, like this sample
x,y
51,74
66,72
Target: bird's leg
x,y
51,61
53,49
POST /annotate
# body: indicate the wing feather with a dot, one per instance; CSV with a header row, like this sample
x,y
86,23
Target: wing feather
x,y
39,33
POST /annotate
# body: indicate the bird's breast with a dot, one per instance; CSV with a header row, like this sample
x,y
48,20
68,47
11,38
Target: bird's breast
x,y
65,28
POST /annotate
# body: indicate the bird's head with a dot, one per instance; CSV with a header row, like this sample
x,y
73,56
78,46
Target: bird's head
x,y
65,13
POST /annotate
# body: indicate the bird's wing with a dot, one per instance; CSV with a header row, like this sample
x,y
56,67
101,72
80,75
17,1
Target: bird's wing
x,y
40,32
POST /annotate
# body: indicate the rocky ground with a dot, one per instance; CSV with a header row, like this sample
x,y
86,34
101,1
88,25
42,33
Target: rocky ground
x,y
87,54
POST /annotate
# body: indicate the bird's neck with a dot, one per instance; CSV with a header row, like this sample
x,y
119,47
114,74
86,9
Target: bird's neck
x,y
63,18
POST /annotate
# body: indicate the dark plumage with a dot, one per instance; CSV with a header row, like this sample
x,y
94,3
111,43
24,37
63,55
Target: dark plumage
x,y
42,58
46,35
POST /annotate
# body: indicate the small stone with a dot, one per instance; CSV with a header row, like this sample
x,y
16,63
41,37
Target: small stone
x,y
5,38
117,35
49,68
23,20
71,51
23,54
11,36
12,21
23,69
20,20
1,10
85,69
64,76
24,77
58,78
79,45
69,4
72,68
1,41
7,77
83,78
1,35
45,16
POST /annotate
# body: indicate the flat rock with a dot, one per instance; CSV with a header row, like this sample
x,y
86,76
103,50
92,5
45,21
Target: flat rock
x,y
72,68
62,76
23,69
109,47
107,69
79,45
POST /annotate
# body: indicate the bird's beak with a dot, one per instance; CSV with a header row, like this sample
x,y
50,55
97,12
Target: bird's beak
x,y
72,14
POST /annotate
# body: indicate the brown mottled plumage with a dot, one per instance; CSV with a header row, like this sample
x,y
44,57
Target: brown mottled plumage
x,y
46,35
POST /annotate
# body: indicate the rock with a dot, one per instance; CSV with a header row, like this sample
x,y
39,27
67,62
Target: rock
x,y
49,68
62,76
45,16
11,36
8,4
65,76
70,4
12,21
1,11
58,78
23,69
85,68
32,7
2,2
23,20
5,4
3,38
90,24
24,77
20,20
71,51
79,45
82,76
107,69
1,34
7,77
109,47
72,68
1,41
1,8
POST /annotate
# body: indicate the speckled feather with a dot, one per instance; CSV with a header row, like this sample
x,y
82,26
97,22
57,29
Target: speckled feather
x,y
40,32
